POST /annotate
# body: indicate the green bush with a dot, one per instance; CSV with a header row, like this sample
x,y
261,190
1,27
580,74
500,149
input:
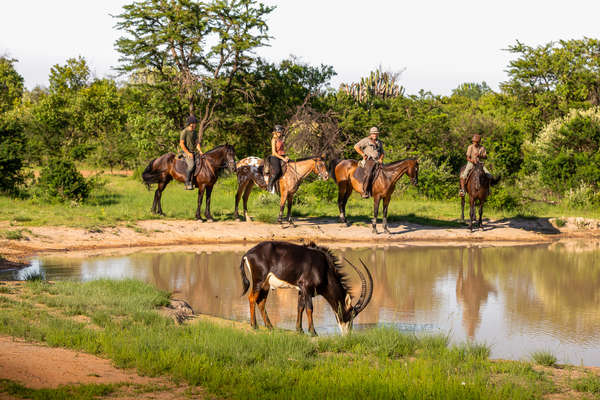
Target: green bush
x,y
505,198
60,180
436,182
321,190
583,196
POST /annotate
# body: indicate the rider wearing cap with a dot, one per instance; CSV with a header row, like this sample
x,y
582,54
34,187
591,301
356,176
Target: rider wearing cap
x,y
189,141
277,156
475,153
371,150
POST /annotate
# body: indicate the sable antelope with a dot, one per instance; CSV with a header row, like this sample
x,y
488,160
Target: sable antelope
x,y
384,184
167,167
312,270
478,187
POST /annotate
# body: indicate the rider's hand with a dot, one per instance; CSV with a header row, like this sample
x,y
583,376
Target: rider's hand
x,y
364,156
286,158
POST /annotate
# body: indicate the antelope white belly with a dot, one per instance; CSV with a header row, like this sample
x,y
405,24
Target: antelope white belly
x,y
276,283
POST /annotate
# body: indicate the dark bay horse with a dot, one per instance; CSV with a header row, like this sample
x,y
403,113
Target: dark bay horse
x,y
295,172
384,184
167,167
478,187
310,269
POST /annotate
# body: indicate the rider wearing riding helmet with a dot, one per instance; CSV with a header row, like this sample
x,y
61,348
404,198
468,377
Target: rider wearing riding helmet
x,y
277,156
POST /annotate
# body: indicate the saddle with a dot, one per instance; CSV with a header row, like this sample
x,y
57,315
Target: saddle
x,y
360,173
181,166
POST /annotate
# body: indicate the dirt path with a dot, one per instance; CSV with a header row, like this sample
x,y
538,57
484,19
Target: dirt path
x,y
47,239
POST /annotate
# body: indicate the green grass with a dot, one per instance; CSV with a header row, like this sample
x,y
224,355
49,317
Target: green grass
x,y
74,392
590,384
235,363
544,357
123,199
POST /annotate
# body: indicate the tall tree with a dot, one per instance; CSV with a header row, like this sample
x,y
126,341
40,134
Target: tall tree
x,y
11,85
198,46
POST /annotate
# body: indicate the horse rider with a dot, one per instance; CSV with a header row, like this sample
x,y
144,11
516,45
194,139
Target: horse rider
x,y
371,150
277,157
189,141
475,153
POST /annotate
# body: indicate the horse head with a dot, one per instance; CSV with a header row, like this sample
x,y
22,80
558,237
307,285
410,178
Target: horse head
x,y
413,171
229,160
320,168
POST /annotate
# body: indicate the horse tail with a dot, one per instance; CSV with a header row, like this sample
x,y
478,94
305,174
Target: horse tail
x,y
245,282
149,176
331,168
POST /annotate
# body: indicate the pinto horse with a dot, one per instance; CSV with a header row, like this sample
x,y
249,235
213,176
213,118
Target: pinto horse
x,y
167,167
384,184
310,269
295,172
478,187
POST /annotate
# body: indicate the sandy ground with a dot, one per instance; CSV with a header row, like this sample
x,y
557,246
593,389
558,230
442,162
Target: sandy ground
x,y
152,233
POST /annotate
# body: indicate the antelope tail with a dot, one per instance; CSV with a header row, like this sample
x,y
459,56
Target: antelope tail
x,y
245,282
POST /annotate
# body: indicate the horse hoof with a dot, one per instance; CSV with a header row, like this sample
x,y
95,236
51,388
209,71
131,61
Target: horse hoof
x,y
237,219
210,220
386,230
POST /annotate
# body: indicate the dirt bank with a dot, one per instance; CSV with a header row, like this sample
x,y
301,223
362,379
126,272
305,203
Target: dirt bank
x,y
151,233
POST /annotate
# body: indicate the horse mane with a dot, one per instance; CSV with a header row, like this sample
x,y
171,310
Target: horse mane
x,y
393,163
334,264
305,158
219,148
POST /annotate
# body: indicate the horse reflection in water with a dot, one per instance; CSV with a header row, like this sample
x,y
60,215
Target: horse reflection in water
x,y
472,290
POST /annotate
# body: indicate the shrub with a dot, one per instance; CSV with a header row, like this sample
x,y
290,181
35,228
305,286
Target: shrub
x,y
436,182
583,196
322,190
60,180
505,198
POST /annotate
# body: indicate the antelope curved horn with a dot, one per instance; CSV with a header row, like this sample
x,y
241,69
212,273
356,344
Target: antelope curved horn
x,y
364,292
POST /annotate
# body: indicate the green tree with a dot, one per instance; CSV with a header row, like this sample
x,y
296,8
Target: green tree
x,y
12,152
198,47
11,85
548,80
72,76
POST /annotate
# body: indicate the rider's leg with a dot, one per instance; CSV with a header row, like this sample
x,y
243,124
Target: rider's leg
x,y
369,167
189,162
275,164
463,178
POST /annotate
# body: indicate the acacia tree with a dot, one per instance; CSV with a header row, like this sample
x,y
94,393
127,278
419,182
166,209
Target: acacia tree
x,y
200,47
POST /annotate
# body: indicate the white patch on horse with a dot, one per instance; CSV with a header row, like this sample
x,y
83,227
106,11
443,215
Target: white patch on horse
x,y
250,271
277,283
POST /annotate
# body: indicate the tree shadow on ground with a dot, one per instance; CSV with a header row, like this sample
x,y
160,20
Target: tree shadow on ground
x,y
108,199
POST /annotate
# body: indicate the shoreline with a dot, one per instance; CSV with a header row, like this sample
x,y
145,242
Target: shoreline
x,y
164,234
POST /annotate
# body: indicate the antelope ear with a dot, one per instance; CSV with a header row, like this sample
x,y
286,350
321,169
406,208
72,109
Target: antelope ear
x,y
348,301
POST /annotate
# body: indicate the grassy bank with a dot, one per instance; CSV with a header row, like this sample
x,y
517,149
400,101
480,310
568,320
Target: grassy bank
x,y
123,199
118,320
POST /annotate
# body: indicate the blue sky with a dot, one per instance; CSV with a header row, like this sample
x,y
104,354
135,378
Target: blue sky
x,y
438,44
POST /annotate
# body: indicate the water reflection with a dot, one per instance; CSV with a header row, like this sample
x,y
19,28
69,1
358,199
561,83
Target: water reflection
x,y
517,299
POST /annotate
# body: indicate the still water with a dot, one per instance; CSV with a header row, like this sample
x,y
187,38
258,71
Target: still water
x,y
516,299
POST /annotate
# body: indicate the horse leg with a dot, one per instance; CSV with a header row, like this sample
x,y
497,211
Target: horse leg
x,y
261,301
162,187
209,217
300,311
200,195
342,188
471,212
290,200
246,196
386,202
480,215
238,195
309,314
462,208
376,201
282,201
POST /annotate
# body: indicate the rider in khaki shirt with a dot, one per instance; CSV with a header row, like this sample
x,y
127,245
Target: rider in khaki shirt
x,y
190,146
475,153
371,150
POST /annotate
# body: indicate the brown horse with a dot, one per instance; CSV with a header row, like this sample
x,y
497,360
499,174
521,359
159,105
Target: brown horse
x,y
384,184
478,187
294,173
167,167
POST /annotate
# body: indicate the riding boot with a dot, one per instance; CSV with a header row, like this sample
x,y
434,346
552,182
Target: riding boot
x,y
188,180
365,190
461,193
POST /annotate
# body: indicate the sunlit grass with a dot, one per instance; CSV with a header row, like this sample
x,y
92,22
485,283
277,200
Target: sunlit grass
x,y
234,363
123,199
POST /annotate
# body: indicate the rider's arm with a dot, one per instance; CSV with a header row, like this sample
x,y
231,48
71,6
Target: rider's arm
x,y
198,148
199,141
185,150
358,150
380,159
469,154
482,153
274,150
